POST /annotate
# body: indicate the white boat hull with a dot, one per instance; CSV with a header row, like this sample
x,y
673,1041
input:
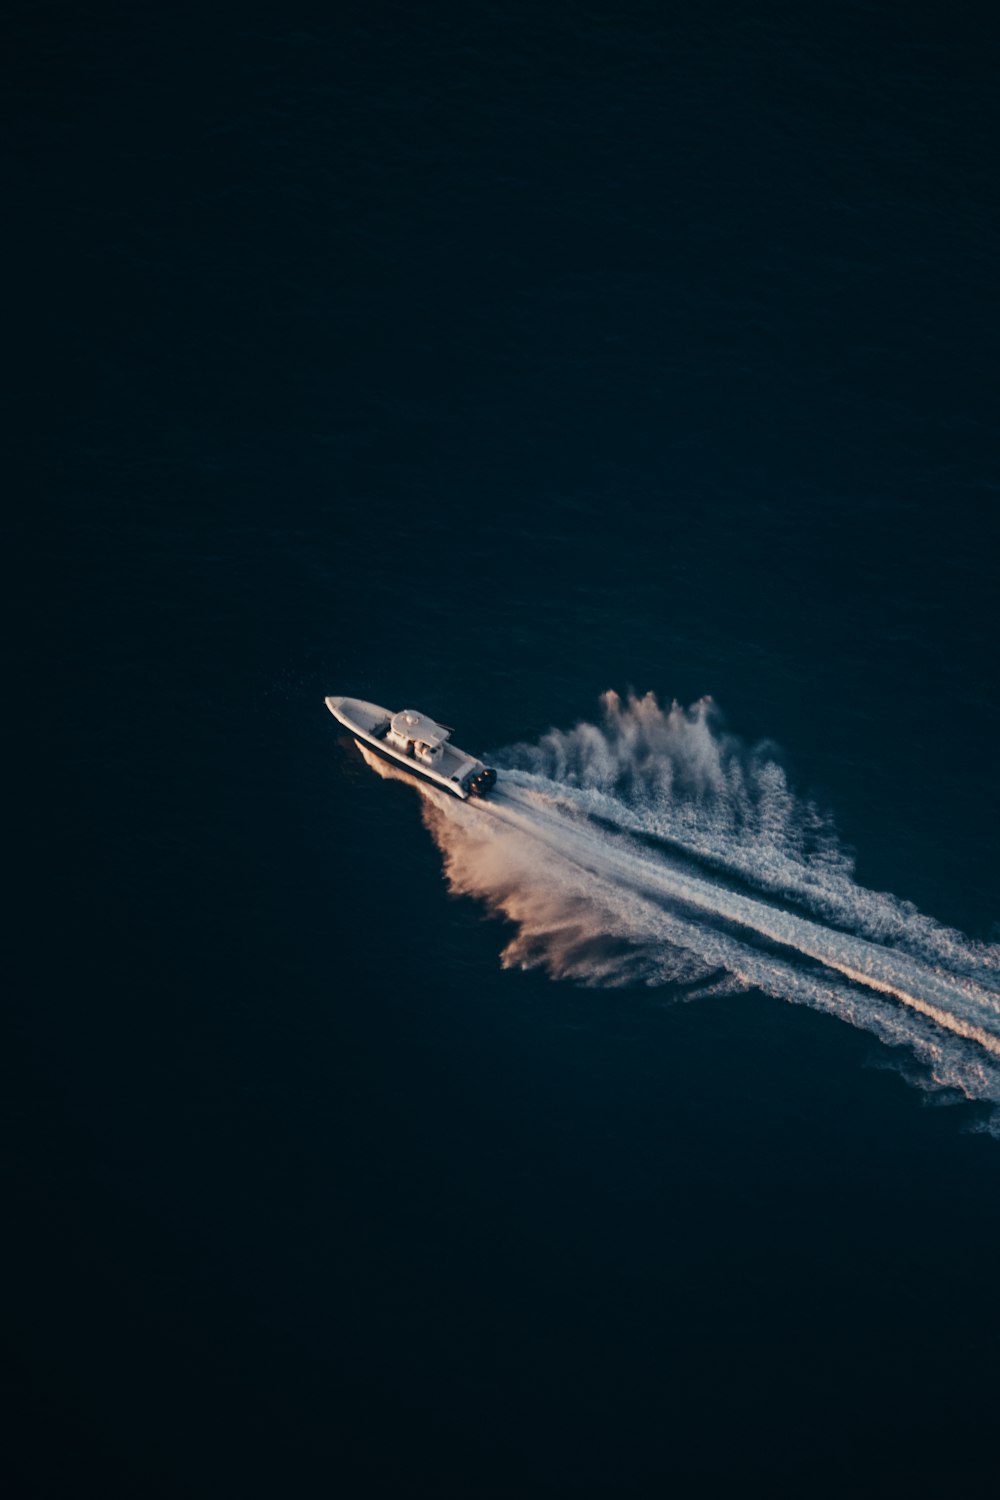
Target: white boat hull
x,y
457,773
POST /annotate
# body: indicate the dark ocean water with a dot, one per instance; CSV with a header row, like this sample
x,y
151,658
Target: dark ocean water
x,y
485,359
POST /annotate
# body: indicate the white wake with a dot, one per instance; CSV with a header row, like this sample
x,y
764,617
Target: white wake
x,y
654,848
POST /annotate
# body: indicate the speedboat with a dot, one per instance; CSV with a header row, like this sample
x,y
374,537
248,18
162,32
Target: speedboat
x,y
416,743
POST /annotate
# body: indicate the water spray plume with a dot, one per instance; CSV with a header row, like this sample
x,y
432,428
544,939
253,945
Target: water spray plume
x,y
655,848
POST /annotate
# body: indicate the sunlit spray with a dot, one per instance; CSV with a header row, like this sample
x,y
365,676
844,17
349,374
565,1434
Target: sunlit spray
x,y
654,848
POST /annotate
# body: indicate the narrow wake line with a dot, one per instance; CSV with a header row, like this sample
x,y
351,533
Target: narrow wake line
x,y
656,849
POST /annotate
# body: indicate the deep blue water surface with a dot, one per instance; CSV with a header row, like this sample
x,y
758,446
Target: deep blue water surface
x,y
483,359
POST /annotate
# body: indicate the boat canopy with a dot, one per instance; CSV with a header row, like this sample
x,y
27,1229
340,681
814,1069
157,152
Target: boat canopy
x,y
411,725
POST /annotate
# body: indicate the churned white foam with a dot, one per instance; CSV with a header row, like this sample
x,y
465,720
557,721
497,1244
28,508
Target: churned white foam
x,y
655,848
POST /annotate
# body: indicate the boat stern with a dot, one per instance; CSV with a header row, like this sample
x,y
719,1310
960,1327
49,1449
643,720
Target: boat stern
x,y
482,783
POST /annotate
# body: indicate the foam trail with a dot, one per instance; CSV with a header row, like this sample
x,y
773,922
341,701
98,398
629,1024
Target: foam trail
x,y
654,848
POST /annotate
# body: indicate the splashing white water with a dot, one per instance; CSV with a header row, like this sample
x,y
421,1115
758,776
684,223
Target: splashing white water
x,y
655,848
